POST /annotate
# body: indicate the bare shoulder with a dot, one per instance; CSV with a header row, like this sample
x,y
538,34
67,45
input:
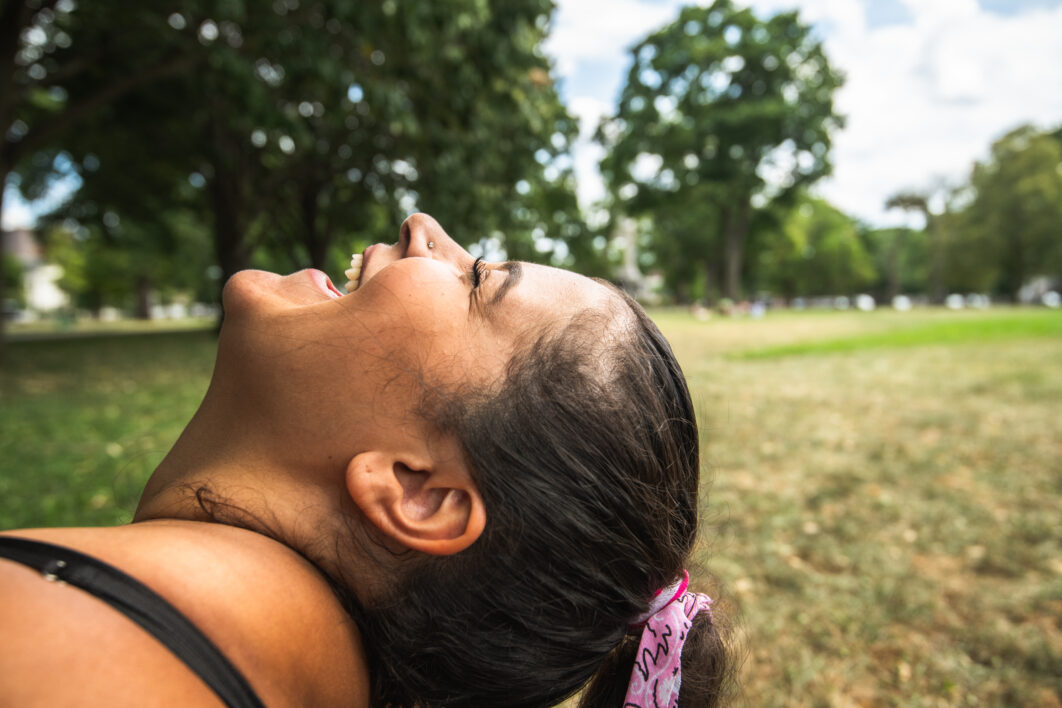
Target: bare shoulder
x,y
61,646
267,610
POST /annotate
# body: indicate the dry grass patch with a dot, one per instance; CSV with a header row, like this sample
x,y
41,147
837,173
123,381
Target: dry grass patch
x,y
888,518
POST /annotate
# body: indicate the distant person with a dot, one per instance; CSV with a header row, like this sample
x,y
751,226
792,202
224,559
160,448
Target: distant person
x,y
461,484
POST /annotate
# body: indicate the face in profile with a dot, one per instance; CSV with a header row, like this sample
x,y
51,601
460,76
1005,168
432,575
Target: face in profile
x,y
419,315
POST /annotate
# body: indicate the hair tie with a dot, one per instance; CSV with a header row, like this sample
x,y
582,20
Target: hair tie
x,y
657,674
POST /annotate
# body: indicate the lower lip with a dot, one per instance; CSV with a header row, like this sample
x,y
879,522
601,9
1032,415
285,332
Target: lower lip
x,y
322,281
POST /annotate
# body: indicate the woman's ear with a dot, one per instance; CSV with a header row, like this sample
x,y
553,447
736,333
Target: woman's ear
x,y
434,509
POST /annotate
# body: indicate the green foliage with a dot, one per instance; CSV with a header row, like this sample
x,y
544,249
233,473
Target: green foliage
x,y
817,251
296,133
12,280
901,259
1012,228
121,265
685,243
714,103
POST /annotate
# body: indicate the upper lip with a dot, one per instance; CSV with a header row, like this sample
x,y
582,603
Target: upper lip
x,y
365,255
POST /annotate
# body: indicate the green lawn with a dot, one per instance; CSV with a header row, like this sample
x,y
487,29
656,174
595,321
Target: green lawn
x,y
84,421
885,499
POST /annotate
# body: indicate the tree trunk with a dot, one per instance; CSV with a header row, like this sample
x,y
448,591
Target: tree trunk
x,y
895,250
13,17
935,286
316,241
1015,265
3,273
682,293
229,246
709,277
143,298
735,230
226,192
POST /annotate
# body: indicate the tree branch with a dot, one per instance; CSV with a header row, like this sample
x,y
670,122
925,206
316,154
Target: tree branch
x,y
50,128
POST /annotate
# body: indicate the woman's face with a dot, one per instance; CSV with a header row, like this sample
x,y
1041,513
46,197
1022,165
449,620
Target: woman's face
x,y
420,317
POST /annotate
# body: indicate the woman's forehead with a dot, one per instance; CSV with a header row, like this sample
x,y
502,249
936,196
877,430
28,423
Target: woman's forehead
x,y
564,289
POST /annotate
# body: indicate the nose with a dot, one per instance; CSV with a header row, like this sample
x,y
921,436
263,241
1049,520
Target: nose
x,y
422,236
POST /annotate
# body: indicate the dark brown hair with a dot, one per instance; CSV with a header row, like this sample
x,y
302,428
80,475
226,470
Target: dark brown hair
x,y
586,456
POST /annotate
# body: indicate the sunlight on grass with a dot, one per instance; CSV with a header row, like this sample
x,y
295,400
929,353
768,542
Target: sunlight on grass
x,y
963,328
884,509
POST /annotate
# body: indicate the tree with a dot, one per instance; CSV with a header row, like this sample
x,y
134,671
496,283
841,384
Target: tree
x,y
1014,220
493,159
817,251
12,294
320,122
901,259
48,53
725,108
907,201
679,233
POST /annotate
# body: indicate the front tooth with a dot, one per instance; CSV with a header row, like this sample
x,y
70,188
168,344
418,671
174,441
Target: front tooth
x,y
354,272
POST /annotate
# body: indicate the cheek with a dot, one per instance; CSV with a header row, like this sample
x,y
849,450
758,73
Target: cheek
x,y
424,300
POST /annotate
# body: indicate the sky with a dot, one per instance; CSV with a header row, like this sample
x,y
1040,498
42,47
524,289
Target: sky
x,y
930,83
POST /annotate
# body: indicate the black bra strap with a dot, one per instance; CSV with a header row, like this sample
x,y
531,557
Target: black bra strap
x,y
142,605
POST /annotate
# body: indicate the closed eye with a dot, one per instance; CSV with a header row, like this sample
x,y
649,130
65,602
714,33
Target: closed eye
x,y
478,272
481,270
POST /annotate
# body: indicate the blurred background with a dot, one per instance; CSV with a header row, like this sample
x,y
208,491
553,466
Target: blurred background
x,y
845,214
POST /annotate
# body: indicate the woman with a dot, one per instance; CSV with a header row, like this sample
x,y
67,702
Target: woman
x,y
462,484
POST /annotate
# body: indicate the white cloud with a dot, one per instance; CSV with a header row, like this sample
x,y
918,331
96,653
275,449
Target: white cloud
x,y
602,29
923,100
590,37
588,154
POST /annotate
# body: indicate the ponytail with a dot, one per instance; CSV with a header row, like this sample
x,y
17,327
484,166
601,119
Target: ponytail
x,y
706,668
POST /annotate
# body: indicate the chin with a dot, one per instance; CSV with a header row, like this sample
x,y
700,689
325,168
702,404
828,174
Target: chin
x,y
245,287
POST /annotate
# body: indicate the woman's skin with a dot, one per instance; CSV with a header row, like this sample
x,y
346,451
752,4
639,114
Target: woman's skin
x,y
312,415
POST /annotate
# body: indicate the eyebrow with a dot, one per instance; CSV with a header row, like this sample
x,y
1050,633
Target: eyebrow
x,y
514,271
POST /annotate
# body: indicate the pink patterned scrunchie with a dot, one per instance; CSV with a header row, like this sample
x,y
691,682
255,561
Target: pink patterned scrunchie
x,y
657,673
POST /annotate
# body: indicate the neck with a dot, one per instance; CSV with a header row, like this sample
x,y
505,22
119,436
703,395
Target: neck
x,y
234,465
210,453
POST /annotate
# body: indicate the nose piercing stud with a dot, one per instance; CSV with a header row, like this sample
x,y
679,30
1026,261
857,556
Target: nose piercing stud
x,y
431,245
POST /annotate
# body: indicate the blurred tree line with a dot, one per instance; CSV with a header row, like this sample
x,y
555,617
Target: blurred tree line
x,y
213,136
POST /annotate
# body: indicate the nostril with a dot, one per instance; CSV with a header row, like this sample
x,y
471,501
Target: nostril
x,y
404,236
416,233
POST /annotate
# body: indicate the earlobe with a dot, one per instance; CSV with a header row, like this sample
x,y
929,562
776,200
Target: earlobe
x,y
433,509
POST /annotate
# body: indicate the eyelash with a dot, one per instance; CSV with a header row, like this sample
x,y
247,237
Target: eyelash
x,y
478,266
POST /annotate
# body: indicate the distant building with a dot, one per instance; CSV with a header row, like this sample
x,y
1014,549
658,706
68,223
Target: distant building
x,y
39,279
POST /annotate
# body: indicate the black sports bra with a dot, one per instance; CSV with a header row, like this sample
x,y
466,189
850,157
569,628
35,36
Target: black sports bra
x,y
142,605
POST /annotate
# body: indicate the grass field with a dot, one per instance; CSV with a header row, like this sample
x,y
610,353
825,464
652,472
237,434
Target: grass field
x,y
885,500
